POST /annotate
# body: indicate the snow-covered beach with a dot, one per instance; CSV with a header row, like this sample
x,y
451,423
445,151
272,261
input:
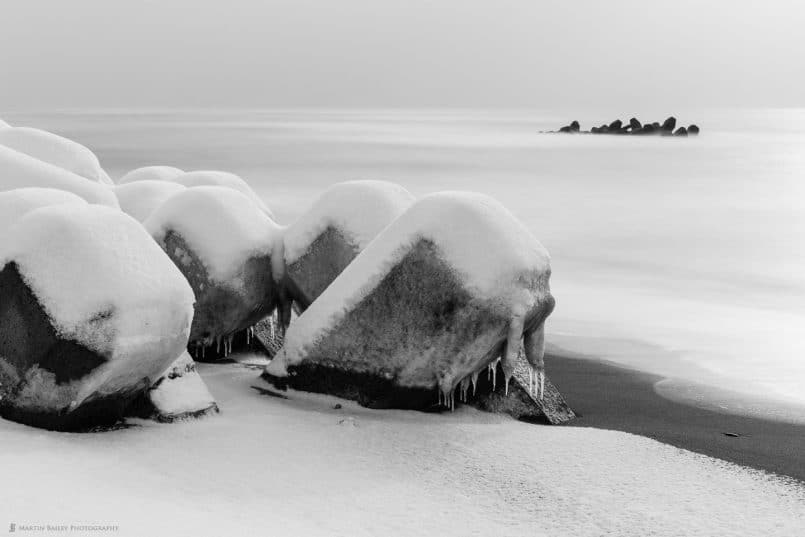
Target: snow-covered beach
x,y
299,465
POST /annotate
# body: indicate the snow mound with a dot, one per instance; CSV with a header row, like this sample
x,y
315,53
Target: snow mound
x,y
18,170
180,392
225,179
140,198
103,282
16,203
4,125
56,150
488,248
151,173
222,225
358,209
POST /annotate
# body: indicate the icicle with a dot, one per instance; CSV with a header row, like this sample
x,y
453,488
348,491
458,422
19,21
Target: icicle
x,y
218,344
465,386
474,381
494,375
507,384
530,382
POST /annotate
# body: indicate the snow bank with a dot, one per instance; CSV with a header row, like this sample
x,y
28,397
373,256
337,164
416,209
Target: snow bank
x,y
151,173
16,203
222,225
18,170
56,150
140,198
408,474
358,209
104,283
482,241
225,179
4,125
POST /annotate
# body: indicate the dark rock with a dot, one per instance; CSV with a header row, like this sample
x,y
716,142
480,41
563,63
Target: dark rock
x,y
656,125
693,129
681,131
566,129
616,125
669,124
337,406
635,124
574,126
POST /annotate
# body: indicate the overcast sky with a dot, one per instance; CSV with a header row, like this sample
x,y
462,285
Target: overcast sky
x,y
418,53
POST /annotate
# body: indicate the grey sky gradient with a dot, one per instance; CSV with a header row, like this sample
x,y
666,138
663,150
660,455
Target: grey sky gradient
x,y
376,53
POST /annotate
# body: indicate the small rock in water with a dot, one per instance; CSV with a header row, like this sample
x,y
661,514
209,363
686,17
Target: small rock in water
x,y
574,126
681,131
566,128
669,124
731,435
635,124
693,129
615,125
337,406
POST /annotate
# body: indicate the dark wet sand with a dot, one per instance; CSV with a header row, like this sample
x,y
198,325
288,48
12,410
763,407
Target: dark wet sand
x,y
611,397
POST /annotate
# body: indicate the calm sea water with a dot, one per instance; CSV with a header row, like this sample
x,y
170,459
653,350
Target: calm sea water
x,y
678,256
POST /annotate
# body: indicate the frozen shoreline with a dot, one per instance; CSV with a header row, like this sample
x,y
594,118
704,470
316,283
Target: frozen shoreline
x,y
299,466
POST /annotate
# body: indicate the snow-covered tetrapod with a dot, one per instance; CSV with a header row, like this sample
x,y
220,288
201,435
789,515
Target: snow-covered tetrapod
x,y
19,170
92,312
224,179
150,173
56,150
140,198
449,290
229,250
324,240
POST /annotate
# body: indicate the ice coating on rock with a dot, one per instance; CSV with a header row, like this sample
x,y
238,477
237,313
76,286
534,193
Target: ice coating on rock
x,y
56,150
18,170
222,225
100,277
358,209
140,198
490,251
224,179
18,202
150,173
